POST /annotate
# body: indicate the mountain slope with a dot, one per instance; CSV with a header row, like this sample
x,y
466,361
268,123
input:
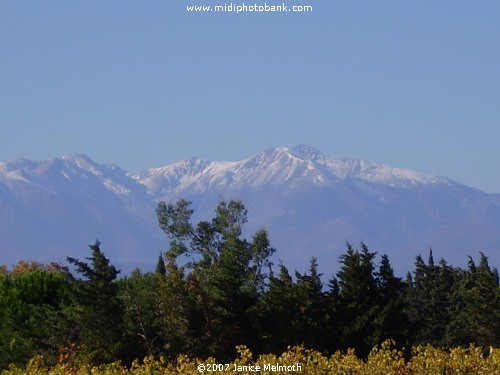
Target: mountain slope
x,y
52,209
310,203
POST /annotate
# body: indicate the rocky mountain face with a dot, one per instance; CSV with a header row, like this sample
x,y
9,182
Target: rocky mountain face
x,y
310,203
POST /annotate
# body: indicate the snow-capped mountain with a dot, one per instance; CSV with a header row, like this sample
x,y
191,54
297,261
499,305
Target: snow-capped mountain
x,y
301,165
310,203
53,209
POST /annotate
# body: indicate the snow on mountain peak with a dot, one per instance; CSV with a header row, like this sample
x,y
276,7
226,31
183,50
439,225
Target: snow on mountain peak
x,y
296,166
84,162
307,152
76,169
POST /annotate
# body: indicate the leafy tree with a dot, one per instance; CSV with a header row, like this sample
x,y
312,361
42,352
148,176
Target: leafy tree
x,y
159,314
177,308
227,271
139,294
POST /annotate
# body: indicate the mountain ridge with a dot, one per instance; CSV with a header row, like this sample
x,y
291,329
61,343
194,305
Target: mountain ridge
x,y
310,203
282,162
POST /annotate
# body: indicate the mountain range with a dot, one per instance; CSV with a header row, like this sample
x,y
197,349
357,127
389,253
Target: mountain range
x,y
310,203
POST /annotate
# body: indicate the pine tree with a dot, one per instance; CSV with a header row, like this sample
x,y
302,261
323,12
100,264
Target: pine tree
x,y
313,307
432,301
358,303
478,320
97,312
31,321
392,320
279,314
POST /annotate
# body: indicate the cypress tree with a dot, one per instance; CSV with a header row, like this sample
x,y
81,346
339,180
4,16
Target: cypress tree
x,y
97,312
358,304
160,266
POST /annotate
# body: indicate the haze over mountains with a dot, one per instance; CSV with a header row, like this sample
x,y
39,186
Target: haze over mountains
x,y
310,203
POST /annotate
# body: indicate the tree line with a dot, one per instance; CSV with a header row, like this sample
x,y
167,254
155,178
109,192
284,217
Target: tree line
x,y
213,289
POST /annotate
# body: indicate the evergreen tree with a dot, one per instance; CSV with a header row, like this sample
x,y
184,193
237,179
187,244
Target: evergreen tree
x,y
279,314
478,321
31,304
332,327
358,303
313,308
97,312
432,301
160,266
392,320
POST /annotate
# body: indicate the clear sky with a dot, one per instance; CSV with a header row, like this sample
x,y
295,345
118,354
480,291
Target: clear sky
x,y
143,83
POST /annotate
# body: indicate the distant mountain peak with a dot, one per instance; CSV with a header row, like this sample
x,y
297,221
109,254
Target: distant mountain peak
x,y
78,158
297,166
307,152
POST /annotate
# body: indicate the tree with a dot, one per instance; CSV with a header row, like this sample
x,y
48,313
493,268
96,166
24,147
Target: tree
x,y
313,307
478,319
31,304
358,299
392,321
139,294
227,272
96,311
431,301
160,266
279,314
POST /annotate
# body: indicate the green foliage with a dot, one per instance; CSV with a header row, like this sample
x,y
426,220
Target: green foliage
x,y
226,276
478,319
278,312
96,313
358,299
30,314
213,289
450,306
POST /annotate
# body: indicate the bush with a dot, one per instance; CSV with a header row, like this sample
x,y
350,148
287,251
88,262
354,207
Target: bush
x,y
383,360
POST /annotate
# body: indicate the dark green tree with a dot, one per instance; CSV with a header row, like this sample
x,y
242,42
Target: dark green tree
x,y
478,319
313,308
431,301
358,299
31,319
333,324
97,313
160,266
279,314
392,321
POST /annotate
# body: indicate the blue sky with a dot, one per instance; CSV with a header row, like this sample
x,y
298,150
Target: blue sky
x,y
414,84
